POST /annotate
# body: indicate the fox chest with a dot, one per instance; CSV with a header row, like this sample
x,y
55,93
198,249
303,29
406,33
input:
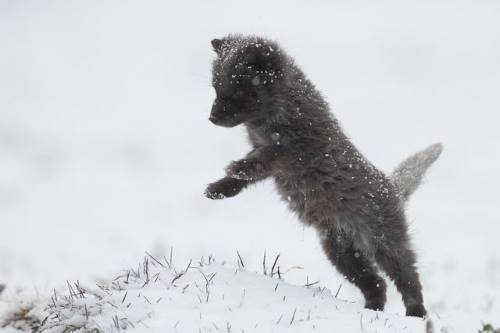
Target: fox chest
x,y
267,137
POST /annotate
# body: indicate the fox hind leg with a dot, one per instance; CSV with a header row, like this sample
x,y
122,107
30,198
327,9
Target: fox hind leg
x,y
356,268
400,266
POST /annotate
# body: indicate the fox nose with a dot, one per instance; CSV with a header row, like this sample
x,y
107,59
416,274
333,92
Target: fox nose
x,y
213,119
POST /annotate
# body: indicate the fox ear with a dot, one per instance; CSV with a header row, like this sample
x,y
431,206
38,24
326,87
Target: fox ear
x,y
217,45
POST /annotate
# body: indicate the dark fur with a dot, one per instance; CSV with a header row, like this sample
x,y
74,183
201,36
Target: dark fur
x,y
318,171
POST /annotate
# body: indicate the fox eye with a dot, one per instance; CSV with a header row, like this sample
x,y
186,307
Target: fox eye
x,y
238,93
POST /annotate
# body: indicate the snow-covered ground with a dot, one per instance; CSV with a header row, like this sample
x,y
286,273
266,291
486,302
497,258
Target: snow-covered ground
x,y
204,296
105,147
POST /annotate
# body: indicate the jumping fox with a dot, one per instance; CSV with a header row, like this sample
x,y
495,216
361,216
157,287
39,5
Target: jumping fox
x,y
357,210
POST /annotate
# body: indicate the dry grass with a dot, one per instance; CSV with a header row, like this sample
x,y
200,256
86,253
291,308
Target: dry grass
x,y
22,319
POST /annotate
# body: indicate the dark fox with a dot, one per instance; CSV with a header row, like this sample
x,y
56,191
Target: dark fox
x,y
357,211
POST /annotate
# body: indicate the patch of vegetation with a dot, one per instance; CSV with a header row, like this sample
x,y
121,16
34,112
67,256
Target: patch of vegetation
x,y
488,328
22,319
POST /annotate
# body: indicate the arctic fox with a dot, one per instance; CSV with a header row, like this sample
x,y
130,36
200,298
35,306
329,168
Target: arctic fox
x,y
357,211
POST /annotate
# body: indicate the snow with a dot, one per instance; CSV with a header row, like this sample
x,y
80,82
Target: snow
x,y
105,146
205,297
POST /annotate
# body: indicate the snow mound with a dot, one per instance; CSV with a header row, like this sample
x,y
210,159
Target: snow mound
x,y
206,296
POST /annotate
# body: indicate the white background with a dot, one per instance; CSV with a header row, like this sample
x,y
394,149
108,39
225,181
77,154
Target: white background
x,y
105,146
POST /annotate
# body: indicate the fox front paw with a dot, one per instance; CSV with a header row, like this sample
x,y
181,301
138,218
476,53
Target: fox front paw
x,y
244,170
224,188
214,194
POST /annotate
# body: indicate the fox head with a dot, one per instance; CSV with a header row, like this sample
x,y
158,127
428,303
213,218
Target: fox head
x,y
244,75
